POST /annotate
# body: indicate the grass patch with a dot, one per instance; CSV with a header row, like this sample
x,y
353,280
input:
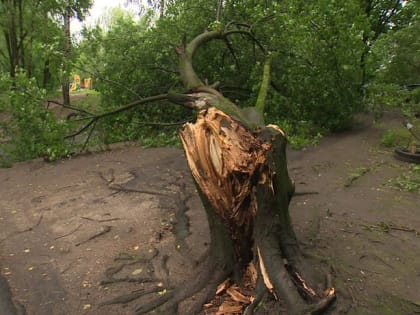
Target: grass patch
x,y
409,180
397,137
88,100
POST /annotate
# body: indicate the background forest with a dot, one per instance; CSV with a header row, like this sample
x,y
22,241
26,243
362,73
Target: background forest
x,y
330,60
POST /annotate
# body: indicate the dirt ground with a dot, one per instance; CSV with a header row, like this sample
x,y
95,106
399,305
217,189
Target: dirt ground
x,y
77,233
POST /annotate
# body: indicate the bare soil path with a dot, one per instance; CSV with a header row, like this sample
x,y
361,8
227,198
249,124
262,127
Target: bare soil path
x,y
77,233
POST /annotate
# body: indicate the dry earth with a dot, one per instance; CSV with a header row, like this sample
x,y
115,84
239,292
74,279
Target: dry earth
x,y
73,231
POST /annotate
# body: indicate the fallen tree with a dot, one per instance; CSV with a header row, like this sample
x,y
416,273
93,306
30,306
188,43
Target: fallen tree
x,y
239,166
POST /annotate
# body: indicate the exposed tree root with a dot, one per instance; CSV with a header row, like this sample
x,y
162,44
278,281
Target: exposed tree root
x,y
213,269
127,298
243,179
205,282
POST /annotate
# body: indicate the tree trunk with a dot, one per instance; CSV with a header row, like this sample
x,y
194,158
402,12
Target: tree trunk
x,y
11,39
66,56
21,45
161,8
240,168
244,179
46,74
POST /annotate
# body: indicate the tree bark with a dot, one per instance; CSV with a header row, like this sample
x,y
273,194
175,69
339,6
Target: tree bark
x,y
240,168
66,54
11,39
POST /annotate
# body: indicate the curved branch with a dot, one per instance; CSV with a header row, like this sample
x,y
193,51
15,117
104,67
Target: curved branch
x,y
186,53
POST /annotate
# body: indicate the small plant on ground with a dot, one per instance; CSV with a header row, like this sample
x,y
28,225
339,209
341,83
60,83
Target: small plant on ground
x,y
409,180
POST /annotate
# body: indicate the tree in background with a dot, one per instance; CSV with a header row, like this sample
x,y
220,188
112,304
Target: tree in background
x,y
33,39
319,70
31,62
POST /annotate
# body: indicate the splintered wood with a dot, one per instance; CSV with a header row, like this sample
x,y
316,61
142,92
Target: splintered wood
x,y
225,158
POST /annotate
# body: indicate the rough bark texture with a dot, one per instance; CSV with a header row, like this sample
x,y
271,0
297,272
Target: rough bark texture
x,y
240,168
243,176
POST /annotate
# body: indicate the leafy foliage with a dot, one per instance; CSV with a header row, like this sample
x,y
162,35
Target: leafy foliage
x,y
32,129
317,72
330,60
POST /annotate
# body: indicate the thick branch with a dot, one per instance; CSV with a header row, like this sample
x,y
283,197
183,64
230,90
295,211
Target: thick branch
x,y
129,106
186,53
264,86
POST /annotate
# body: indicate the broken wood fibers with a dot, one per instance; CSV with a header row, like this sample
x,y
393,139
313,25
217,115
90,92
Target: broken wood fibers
x,y
226,160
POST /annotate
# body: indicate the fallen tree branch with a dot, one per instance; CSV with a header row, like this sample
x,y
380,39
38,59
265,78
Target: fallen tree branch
x,y
69,233
105,229
166,124
180,99
100,220
120,188
77,109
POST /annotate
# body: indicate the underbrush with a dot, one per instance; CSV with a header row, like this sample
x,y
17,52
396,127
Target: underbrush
x,y
409,180
396,137
300,134
30,130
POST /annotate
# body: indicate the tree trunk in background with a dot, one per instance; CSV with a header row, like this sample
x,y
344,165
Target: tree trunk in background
x,y
161,8
21,45
46,74
219,9
66,55
11,39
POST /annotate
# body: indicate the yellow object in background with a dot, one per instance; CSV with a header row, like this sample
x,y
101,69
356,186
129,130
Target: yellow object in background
x,y
76,81
88,83
76,85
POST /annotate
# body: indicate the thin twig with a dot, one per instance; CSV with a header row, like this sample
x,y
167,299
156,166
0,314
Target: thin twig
x,y
82,129
105,229
119,188
34,226
89,135
303,193
67,234
232,52
100,220
68,267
